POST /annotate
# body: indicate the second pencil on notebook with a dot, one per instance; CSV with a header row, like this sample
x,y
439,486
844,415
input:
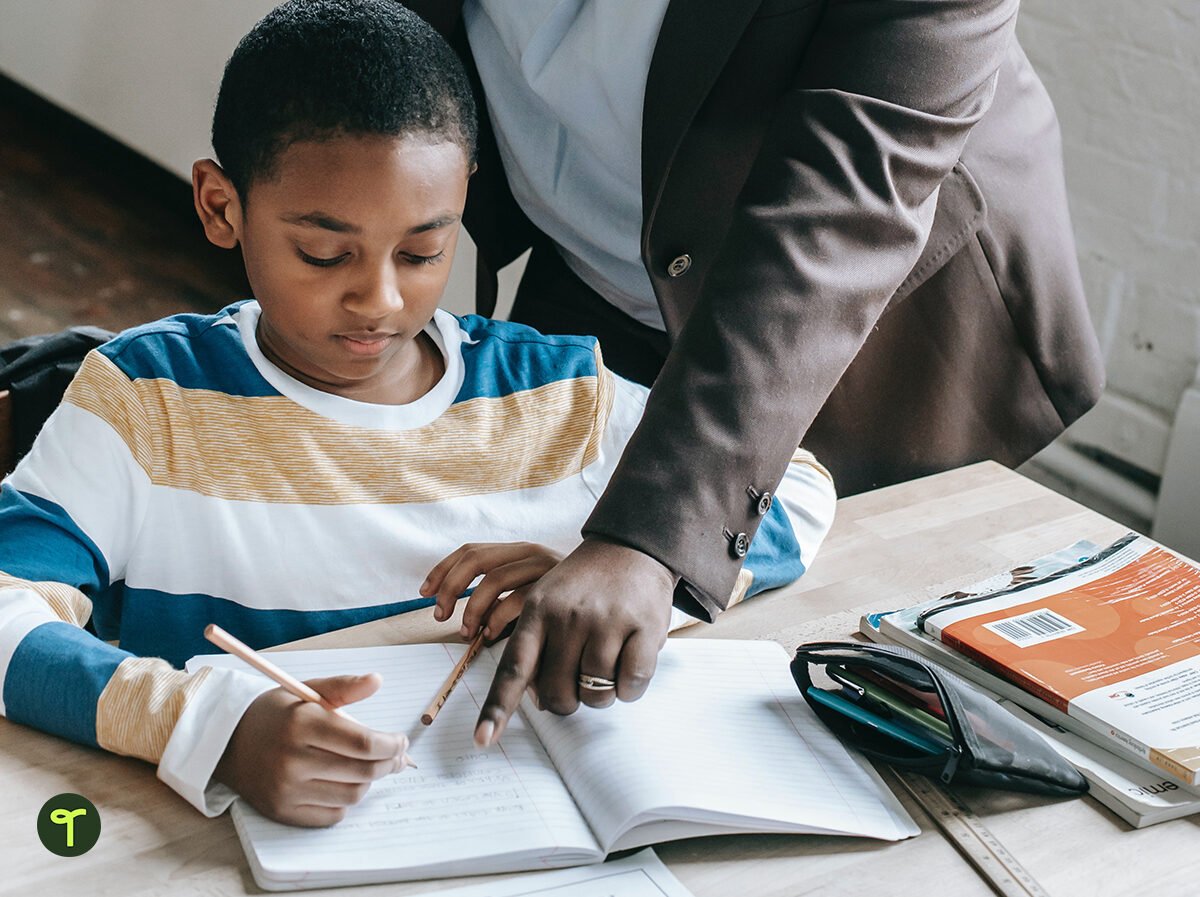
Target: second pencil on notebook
x,y
456,674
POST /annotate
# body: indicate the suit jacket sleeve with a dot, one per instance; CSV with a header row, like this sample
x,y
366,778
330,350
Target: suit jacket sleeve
x,y
833,215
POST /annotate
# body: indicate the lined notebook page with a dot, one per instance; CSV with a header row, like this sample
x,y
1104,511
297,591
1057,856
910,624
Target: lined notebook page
x,y
722,735
461,803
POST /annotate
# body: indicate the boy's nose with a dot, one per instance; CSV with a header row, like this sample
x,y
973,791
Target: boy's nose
x,y
377,296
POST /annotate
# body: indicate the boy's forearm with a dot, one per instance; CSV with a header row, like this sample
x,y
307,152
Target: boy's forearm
x,y
53,673
59,679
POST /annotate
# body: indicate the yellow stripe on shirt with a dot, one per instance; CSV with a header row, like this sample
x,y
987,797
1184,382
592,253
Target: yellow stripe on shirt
x,y
68,604
804,456
270,449
140,705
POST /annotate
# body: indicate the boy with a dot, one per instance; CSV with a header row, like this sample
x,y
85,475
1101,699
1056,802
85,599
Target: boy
x,y
302,462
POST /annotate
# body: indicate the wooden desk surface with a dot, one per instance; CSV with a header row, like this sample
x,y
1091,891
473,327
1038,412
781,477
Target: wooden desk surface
x,y
887,549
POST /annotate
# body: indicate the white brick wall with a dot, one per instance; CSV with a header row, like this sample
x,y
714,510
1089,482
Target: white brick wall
x,y
1125,78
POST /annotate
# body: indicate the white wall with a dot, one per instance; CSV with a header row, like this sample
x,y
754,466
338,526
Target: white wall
x,y
1125,78
144,71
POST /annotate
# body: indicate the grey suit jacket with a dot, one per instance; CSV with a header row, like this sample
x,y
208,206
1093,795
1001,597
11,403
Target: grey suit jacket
x,y
856,227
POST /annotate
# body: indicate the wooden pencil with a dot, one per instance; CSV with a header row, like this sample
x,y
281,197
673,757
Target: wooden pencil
x,y
452,680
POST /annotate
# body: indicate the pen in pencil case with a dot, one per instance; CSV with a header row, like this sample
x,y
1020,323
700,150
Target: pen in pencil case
x,y
889,728
926,700
238,648
889,705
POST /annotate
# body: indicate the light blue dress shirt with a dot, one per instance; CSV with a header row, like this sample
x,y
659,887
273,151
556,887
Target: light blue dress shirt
x,y
566,81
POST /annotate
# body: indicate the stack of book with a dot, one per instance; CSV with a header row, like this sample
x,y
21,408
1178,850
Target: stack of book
x,y
1098,649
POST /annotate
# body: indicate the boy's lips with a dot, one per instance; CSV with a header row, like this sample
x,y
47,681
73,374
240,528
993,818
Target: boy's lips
x,y
366,343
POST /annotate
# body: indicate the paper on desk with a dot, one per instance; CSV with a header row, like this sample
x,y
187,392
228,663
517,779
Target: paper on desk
x,y
639,875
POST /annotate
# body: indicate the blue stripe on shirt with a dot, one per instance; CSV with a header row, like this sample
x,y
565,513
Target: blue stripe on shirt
x,y
55,678
502,358
161,624
192,350
774,555
42,543
196,352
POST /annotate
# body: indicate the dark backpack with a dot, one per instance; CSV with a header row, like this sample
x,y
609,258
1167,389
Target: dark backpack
x,y
36,371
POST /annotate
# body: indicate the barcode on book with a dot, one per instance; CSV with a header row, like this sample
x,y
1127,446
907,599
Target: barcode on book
x,y
1033,628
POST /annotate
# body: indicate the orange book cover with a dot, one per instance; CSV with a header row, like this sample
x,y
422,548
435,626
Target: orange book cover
x,y
1118,645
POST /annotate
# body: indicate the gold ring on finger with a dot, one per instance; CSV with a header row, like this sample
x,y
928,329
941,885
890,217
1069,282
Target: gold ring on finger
x,y
596,683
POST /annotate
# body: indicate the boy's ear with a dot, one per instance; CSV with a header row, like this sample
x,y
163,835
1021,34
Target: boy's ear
x,y
217,204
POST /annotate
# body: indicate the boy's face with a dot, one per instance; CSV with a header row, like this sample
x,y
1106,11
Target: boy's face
x,y
348,249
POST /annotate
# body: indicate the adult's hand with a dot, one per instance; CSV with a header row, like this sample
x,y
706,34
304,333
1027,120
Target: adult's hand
x,y
603,611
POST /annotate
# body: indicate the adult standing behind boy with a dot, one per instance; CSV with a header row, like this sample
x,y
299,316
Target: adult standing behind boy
x,y
314,458
837,221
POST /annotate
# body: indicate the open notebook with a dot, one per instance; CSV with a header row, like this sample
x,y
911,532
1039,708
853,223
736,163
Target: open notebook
x,y
721,743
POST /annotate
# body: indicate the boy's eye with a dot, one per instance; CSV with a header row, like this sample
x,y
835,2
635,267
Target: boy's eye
x,y
321,262
425,259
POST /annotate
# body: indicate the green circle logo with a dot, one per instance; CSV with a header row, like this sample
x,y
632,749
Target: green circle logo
x,y
68,825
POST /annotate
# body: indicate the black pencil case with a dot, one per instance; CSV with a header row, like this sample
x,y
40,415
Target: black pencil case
x,y
987,746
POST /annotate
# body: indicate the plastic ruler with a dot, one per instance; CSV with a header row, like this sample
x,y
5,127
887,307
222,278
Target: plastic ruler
x,y
971,837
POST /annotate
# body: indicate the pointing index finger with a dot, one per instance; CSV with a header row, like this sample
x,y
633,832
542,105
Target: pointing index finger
x,y
515,672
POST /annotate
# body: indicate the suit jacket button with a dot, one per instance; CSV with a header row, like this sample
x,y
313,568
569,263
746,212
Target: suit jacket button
x,y
764,502
740,545
679,265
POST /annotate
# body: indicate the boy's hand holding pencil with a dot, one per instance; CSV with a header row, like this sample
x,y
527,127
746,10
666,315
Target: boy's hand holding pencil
x,y
304,762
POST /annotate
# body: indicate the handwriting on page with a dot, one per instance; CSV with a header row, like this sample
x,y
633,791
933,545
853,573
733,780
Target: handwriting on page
x,y
459,792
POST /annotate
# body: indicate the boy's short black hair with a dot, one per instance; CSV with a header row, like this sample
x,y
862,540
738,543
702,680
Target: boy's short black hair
x,y
315,69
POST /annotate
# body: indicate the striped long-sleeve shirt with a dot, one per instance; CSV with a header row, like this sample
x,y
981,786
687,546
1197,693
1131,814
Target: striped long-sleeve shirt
x,y
186,480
